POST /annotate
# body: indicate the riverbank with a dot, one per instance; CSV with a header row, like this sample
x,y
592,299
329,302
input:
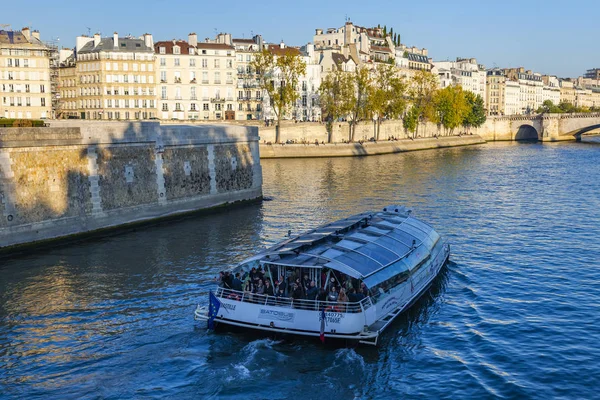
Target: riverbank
x,y
268,151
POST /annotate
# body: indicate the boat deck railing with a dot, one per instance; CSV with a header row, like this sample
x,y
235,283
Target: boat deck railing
x,y
288,302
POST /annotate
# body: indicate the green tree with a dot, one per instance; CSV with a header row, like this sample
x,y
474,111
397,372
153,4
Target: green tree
x,y
387,96
278,76
423,86
336,96
566,107
411,120
475,116
451,107
361,82
384,30
549,107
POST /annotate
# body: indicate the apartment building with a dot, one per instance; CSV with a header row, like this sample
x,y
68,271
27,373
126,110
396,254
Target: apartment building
x,y
467,73
567,91
24,75
551,89
116,77
68,104
249,95
196,79
495,92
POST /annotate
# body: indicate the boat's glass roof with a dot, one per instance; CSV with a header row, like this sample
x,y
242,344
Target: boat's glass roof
x,y
375,245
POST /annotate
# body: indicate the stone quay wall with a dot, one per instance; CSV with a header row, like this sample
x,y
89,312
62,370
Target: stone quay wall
x,y
78,177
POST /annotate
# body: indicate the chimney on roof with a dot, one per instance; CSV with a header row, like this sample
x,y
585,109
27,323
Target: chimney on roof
x,y
115,40
96,39
27,33
36,34
148,40
319,31
193,39
282,45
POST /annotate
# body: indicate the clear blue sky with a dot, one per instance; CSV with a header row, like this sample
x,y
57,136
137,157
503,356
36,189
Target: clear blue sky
x,y
554,37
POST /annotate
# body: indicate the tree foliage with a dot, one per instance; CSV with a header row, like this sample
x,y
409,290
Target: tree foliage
x,y
336,95
475,116
387,96
360,110
451,107
422,89
278,76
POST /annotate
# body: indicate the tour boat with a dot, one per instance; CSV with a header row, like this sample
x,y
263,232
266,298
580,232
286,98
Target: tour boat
x,y
390,257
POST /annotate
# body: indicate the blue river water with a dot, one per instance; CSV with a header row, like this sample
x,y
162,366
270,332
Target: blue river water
x,y
516,313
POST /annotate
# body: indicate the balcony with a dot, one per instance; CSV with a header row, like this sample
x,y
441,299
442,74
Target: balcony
x,y
177,80
205,81
229,81
217,100
193,80
217,82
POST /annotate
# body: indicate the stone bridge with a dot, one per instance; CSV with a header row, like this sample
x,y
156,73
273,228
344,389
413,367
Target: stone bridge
x,y
544,127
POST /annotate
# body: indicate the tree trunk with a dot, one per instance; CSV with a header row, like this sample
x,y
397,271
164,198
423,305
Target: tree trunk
x,y
377,124
277,132
349,132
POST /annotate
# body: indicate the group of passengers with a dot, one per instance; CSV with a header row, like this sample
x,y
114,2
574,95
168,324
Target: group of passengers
x,y
337,290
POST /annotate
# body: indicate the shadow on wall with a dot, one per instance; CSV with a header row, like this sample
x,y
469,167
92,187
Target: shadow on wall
x,y
527,133
52,180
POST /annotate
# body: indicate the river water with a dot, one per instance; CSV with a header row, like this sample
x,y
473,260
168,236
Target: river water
x,y
516,314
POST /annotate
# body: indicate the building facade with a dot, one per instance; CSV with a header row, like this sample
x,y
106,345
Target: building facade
x,y
116,77
551,89
466,73
512,98
25,85
249,95
68,104
495,92
196,80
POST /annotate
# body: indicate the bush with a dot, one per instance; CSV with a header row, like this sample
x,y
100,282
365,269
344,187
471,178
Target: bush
x,y
21,123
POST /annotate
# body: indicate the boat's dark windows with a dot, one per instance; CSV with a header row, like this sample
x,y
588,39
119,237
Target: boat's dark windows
x,y
419,234
416,256
370,237
393,245
348,244
399,267
376,230
335,265
382,255
332,253
420,225
387,223
402,237
358,262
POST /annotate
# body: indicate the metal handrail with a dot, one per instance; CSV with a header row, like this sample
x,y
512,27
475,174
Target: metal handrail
x,y
287,302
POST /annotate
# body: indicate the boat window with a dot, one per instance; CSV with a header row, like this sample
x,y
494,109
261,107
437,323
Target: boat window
x,y
358,262
382,255
375,230
349,244
402,237
396,268
364,236
332,253
417,233
419,225
393,245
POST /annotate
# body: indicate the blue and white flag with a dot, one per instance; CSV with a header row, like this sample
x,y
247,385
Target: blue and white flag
x,y
213,308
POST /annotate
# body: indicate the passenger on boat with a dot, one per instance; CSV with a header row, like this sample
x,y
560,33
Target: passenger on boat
x,y
364,290
312,291
248,289
296,291
219,278
333,294
269,288
236,284
342,300
322,296
280,293
260,288
227,280
306,283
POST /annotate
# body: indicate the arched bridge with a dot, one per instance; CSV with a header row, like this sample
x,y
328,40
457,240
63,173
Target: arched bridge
x,y
544,127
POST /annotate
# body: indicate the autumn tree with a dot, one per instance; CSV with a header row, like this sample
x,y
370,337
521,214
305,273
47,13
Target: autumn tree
x,y
423,86
451,107
278,76
336,95
387,95
361,82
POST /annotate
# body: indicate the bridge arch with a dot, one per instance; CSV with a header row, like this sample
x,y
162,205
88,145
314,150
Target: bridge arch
x,y
526,132
581,131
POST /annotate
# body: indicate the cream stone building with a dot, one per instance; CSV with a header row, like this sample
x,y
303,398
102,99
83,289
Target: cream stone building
x,y
466,73
24,75
551,89
512,98
116,77
249,96
567,91
495,92
68,104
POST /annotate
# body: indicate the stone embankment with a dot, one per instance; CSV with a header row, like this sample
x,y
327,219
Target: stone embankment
x,y
77,177
366,148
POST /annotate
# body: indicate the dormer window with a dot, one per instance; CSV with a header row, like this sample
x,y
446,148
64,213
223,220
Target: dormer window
x,y
162,50
176,50
191,50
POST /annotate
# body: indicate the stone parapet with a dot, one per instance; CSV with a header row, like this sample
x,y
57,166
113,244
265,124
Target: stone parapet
x,y
78,176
